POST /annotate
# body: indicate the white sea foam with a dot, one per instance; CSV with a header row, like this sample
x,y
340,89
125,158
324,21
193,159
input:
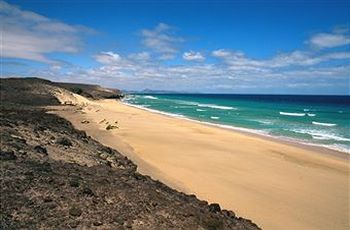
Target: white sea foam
x,y
306,110
311,114
265,122
323,124
215,118
200,110
321,135
193,103
150,97
216,106
341,148
293,114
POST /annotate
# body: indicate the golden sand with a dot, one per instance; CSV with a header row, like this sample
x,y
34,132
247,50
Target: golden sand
x,y
276,184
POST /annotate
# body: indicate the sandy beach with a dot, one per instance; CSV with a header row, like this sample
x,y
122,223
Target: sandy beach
x,y
276,184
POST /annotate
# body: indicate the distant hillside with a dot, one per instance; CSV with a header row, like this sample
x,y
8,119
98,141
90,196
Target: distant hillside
x,y
91,91
35,91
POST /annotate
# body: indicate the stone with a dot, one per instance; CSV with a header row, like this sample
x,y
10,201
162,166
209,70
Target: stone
x,y
47,199
40,149
103,156
75,211
64,141
97,223
230,214
214,207
73,224
7,156
110,127
74,183
88,191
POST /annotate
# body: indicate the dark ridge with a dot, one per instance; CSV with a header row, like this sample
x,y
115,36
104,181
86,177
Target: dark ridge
x,y
56,177
91,91
34,91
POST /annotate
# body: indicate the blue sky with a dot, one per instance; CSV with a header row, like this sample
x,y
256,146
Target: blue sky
x,y
289,47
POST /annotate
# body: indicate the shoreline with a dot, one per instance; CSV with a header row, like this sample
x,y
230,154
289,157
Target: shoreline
x,y
255,133
58,177
275,183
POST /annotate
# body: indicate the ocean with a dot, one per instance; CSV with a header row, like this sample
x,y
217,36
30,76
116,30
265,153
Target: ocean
x,y
314,120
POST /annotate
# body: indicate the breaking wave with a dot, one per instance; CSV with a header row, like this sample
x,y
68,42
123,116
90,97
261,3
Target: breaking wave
x,y
150,97
323,124
321,135
293,114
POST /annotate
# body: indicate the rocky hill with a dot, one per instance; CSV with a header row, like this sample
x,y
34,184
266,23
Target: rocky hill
x,y
56,177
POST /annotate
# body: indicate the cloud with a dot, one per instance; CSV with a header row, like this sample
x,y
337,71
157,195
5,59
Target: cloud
x,y
27,35
329,40
142,56
161,40
108,58
193,56
221,53
238,60
235,73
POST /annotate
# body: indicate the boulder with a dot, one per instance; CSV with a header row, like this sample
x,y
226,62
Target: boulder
x,y
64,141
214,207
40,149
7,156
75,211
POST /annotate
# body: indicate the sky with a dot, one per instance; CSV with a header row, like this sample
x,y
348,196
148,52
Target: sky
x,y
203,46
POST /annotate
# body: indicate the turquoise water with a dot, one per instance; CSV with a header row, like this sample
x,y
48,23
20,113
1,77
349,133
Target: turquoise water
x,y
318,120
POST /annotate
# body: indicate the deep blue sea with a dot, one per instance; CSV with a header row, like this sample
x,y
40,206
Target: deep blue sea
x,y
316,120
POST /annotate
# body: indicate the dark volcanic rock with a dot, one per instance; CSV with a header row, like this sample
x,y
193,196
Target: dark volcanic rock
x,y
88,191
64,141
214,207
98,223
40,149
7,156
74,183
47,199
75,211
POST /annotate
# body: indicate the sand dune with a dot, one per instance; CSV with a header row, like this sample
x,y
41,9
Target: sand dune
x,y
278,185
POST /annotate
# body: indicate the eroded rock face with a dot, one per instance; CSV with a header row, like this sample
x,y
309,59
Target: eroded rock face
x,y
56,177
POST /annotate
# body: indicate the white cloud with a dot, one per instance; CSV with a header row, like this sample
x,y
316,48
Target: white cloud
x,y
161,40
329,40
108,58
142,56
193,56
236,72
221,53
31,36
238,60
